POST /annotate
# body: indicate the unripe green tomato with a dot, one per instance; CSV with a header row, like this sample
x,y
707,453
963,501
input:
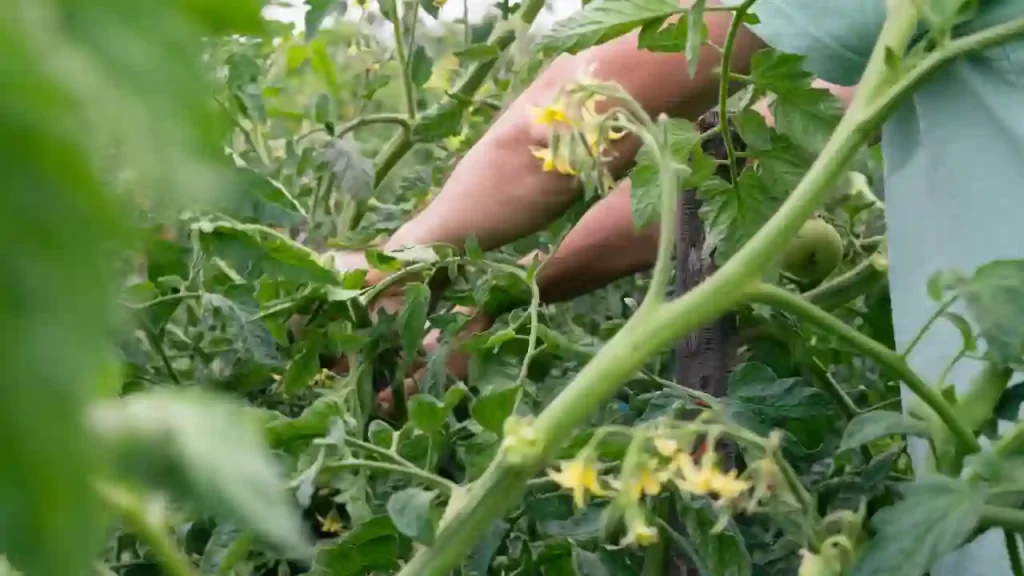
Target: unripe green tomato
x,y
815,252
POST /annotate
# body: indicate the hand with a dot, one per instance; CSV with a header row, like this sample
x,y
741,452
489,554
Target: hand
x,y
458,361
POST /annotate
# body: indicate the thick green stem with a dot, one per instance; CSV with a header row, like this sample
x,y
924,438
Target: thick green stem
x,y
132,509
847,287
1007,518
889,360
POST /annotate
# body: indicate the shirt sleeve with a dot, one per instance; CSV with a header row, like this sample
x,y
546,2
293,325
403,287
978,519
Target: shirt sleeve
x,y
836,36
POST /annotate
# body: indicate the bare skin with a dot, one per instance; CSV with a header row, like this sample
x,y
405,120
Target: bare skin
x,y
603,246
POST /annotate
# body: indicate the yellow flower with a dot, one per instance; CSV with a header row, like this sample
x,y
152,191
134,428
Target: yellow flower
x,y
580,476
647,482
706,479
639,532
561,163
330,524
667,447
440,3
548,115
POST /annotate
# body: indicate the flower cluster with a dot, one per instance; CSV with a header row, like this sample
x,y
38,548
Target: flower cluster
x,y
578,132
667,458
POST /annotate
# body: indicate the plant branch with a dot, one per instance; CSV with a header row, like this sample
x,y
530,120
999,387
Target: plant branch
x,y
1013,551
396,148
848,286
434,480
723,86
377,451
927,326
403,62
155,342
132,509
1007,518
832,388
893,363
399,119
652,329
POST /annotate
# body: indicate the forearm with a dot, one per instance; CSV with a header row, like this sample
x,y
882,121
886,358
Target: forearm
x,y
601,248
499,193
604,247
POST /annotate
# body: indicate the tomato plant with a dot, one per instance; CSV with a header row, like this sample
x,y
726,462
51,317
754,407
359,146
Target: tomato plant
x,y
191,371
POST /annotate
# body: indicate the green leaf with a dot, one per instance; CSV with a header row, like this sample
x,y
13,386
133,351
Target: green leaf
x,y
410,511
369,547
479,559
657,36
722,553
353,172
413,319
246,245
427,413
602,20
316,13
301,371
587,563
420,66
430,7
696,35
758,389
868,427
439,123
491,410
226,547
733,214
645,188
970,343
995,301
807,117
935,518
202,448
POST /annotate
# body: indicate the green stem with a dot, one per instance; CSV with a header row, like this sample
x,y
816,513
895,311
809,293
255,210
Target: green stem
x,y
164,300
377,451
400,119
131,507
403,64
927,326
1012,442
845,288
155,342
669,208
655,555
833,389
954,49
1007,518
723,86
889,360
396,148
1013,551
434,480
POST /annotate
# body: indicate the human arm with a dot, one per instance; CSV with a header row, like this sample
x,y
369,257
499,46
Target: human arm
x,y
499,193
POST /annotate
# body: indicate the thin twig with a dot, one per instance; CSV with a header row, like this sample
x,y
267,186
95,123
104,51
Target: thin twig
x,y
426,477
723,86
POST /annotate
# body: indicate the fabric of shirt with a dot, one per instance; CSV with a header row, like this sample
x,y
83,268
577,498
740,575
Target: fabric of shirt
x,y
954,169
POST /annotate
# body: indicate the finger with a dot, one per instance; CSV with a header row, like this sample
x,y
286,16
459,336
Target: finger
x,y
385,400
